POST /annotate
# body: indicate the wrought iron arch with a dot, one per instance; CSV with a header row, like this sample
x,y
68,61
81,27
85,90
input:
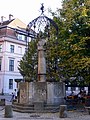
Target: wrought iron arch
x,y
39,24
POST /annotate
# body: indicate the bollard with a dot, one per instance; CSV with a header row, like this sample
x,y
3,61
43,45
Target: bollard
x,y
63,111
8,111
2,102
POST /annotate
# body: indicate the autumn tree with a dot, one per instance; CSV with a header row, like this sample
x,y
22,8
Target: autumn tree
x,y
74,40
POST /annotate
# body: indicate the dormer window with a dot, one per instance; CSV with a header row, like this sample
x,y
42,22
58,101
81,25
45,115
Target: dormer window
x,y
21,37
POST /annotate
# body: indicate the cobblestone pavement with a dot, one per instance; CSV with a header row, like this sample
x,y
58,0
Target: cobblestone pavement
x,y
72,115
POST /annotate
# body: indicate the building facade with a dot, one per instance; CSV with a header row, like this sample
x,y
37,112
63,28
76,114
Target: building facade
x,y
13,37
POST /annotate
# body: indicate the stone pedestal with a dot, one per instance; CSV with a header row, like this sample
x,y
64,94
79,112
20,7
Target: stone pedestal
x,y
47,92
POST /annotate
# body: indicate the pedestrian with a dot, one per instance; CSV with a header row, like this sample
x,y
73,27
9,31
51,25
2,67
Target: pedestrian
x,y
13,97
15,93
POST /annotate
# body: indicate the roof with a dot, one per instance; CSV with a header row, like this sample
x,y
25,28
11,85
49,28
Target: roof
x,y
18,26
5,23
14,23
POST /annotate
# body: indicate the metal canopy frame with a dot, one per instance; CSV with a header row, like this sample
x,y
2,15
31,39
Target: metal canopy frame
x,y
40,23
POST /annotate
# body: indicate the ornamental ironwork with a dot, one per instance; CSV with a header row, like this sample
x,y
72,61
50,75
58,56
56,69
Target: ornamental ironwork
x,y
41,23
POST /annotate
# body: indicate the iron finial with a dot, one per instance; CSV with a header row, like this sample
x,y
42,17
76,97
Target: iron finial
x,y
42,8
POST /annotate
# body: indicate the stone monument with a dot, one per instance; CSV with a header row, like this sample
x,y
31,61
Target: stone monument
x,y
40,92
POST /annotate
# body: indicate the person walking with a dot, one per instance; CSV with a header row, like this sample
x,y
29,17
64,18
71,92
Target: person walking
x,y
13,97
15,93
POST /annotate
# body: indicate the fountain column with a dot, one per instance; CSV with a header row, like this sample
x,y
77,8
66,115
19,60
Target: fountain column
x,y
41,62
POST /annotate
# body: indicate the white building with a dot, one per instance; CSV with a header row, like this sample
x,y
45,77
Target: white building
x,y
13,38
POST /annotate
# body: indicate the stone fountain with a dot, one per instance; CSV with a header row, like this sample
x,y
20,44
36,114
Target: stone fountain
x,y
41,93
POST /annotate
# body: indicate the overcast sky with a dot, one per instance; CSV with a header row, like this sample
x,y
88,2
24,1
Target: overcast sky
x,y
26,10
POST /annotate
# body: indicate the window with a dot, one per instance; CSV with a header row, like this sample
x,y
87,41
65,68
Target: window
x,y
10,83
0,63
12,48
21,37
11,65
0,47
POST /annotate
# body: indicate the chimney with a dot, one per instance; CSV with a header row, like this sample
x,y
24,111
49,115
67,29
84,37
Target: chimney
x,y
10,17
2,17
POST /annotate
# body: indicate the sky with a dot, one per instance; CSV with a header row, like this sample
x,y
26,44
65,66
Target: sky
x,y
26,10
